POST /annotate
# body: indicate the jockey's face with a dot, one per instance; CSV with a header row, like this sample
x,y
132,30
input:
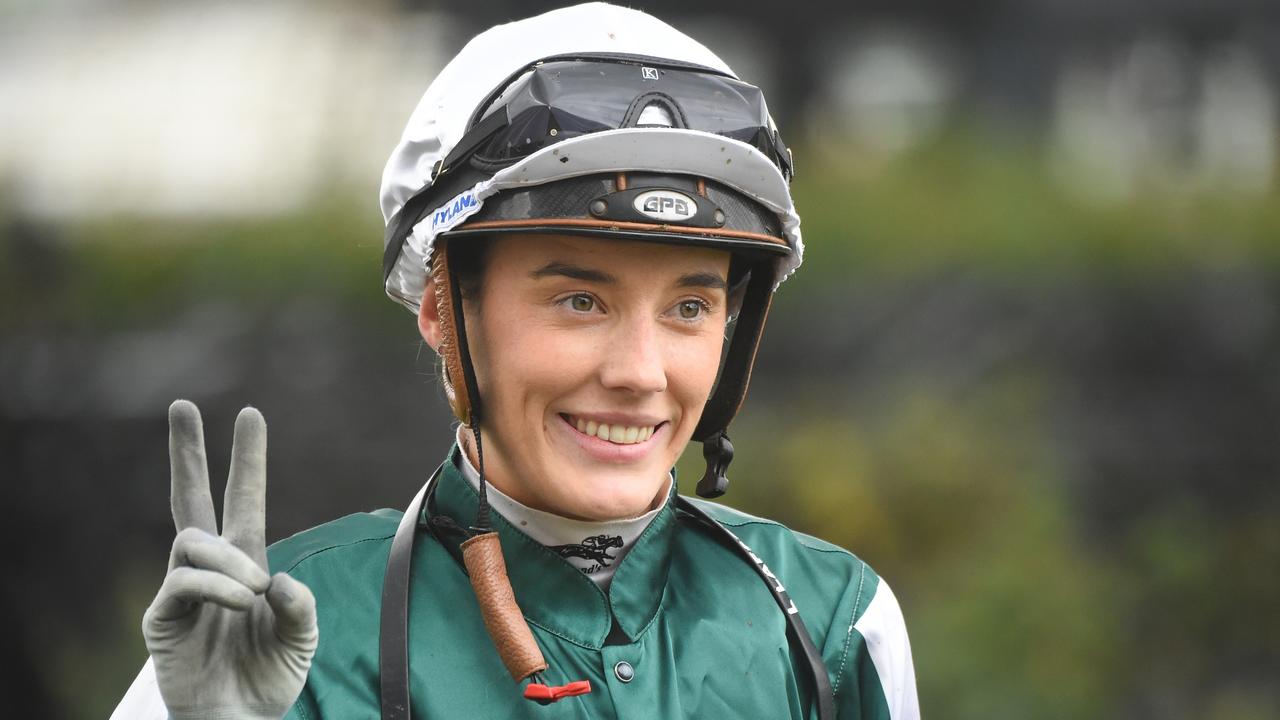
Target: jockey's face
x,y
594,358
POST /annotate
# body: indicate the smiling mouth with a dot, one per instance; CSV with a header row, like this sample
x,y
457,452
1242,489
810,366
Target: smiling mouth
x,y
616,434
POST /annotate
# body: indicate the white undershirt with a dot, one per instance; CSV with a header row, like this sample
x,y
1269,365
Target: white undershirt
x,y
594,547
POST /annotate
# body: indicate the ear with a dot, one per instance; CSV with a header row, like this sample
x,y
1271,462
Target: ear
x,y
429,316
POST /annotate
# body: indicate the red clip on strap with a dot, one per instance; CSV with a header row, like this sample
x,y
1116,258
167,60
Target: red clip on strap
x,y
545,694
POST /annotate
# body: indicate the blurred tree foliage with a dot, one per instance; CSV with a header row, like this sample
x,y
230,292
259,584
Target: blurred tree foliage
x,y
1037,580
970,198
957,506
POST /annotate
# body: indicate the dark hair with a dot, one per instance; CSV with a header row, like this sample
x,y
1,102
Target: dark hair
x,y
468,257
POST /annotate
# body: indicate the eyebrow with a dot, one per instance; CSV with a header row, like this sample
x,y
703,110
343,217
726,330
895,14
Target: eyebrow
x,y
710,281
707,280
575,272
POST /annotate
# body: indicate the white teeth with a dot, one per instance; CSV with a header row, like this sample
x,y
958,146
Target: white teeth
x,y
620,434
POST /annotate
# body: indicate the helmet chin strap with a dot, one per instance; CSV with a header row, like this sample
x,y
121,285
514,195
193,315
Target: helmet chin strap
x,y
731,390
482,509
482,552
718,452
468,410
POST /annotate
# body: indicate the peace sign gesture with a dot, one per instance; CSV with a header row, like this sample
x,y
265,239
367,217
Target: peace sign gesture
x,y
226,638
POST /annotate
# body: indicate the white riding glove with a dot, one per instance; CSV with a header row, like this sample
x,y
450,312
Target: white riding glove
x,y
227,639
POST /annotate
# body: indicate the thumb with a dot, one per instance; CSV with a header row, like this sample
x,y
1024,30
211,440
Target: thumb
x,y
295,612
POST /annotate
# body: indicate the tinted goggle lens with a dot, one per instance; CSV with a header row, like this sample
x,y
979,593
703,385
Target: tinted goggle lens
x,y
556,101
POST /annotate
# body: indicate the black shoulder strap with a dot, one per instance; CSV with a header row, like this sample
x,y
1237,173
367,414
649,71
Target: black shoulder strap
x,y
799,634
393,633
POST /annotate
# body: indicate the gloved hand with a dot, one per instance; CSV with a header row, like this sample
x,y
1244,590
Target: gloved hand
x,y
227,639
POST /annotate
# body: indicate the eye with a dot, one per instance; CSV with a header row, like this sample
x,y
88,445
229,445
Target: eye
x,y
582,303
691,309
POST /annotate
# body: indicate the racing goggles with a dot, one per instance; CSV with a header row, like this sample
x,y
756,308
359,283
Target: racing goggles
x,y
557,99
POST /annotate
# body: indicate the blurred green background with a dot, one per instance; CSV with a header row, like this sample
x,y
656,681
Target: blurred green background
x,y
1028,370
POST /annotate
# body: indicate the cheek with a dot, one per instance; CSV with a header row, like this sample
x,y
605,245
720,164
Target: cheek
x,y
532,364
694,364
546,362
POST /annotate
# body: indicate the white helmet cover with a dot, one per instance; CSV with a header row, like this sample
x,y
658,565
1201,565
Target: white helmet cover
x,y
440,121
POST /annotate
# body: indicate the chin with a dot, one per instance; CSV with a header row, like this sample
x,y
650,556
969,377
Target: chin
x,y
615,496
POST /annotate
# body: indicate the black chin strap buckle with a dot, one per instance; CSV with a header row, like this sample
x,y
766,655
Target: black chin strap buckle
x,y
718,452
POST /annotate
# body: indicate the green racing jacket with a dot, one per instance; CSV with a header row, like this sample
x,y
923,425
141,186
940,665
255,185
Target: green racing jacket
x,y
686,629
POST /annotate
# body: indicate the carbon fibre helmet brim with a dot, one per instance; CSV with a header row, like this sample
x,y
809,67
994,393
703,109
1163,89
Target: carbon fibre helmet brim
x,y
735,245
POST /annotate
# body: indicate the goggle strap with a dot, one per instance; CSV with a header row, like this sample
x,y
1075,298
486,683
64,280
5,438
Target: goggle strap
x,y
400,226
402,223
474,137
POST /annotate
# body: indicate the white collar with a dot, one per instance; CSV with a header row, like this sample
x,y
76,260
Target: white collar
x,y
594,547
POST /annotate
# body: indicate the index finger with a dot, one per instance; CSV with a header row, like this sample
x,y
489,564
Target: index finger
x,y
189,471
244,506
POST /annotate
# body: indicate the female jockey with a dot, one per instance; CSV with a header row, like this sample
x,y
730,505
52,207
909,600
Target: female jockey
x,y
582,207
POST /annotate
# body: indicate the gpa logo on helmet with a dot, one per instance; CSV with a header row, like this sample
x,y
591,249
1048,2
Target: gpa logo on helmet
x,y
665,205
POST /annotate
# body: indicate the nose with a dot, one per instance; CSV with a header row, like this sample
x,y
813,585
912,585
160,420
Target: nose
x,y
634,359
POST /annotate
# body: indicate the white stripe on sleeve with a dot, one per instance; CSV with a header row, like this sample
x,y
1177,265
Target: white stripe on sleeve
x,y
142,701
885,633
